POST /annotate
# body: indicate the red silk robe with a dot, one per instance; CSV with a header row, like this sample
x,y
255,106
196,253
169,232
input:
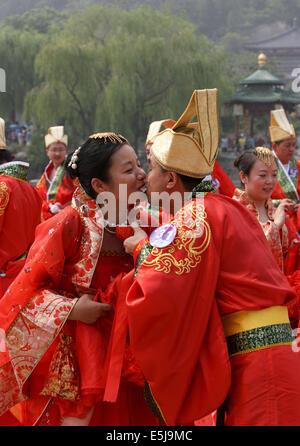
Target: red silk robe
x,y
175,306
20,213
59,190
52,367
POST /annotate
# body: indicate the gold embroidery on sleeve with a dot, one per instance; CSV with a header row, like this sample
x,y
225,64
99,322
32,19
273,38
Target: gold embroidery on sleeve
x,y
4,197
192,240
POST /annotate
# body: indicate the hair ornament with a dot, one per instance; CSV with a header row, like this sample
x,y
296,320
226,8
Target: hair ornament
x,y
265,155
74,159
109,136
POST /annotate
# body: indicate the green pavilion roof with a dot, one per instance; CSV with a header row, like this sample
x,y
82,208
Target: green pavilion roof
x,y
265,94
261,87
261,77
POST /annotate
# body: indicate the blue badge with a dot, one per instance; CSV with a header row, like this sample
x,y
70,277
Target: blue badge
x,y
293,172
163,236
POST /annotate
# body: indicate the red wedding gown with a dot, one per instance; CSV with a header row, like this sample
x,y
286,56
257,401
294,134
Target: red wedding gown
x,y
56,368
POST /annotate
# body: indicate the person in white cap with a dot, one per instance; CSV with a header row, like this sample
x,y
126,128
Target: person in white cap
x,y
283,139
55,186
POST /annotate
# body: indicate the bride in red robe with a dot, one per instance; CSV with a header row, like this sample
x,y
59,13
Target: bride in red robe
x,y
57,364
258,173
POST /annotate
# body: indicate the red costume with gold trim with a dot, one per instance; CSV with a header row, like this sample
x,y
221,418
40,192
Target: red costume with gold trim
x,y
55,367
20,213
212,281
59,190
277,238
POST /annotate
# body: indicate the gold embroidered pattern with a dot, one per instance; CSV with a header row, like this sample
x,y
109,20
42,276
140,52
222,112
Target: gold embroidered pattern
x,y
63,377
4,197
192,240
27,340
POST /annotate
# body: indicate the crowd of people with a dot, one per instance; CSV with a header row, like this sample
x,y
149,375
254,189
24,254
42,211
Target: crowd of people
x,y
182,315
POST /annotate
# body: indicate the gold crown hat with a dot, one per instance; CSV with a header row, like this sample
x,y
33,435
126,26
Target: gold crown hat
x,y
155,127
2,135
265,155
56,135
280,128
191,148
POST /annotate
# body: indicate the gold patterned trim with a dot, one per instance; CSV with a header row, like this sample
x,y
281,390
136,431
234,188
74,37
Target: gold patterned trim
x,y
29,336
15,170
192,240
4,197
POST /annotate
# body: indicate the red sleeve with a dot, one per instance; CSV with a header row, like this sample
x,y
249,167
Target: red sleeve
x,y
56,244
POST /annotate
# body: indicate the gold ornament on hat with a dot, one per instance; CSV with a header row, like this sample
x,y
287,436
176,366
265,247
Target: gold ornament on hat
x,y
265,155
110,136
280,128
191,148
2,135
56,135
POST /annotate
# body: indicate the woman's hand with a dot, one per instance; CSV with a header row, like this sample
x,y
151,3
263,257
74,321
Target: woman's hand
x,y
289,205
284,206
55,208
87,310
131,242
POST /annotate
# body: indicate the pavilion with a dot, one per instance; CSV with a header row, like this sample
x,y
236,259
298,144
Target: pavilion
x,y
258,94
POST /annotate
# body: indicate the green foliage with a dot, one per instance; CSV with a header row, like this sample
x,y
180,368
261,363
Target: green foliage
x,y
18,50
94,65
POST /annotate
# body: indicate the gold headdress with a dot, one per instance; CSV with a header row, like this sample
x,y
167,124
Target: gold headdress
x,y
190,148
112,137
2,135
265,155
280,128
56,135
155,127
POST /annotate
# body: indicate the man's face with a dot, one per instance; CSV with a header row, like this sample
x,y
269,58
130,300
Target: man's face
x,y
157,179
285,150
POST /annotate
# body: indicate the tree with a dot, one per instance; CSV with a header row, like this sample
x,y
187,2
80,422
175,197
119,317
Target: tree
x,y
17,54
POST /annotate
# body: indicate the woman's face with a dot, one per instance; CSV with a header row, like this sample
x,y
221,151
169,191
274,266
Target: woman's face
x,y
57,153
261,181
126,177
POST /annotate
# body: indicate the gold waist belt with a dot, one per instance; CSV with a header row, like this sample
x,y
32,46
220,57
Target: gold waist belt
x,y
247,331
